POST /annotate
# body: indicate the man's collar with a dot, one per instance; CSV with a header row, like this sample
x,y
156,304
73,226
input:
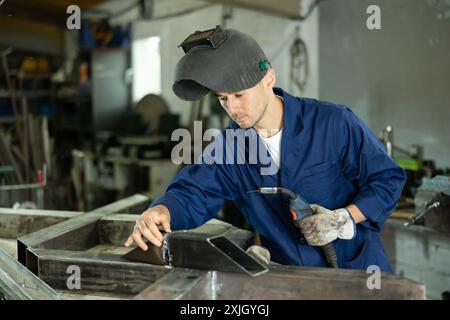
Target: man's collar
x,y
292,121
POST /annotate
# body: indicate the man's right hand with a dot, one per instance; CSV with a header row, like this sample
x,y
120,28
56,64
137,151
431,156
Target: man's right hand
x,y
147,226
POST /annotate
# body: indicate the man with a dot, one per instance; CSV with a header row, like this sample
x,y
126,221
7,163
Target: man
x,y
322,151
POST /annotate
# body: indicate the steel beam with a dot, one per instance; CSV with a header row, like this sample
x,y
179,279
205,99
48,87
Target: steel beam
x,y
174,285
185,247
18,222
46,253
99,272
115,229
77,233
18,283
281,283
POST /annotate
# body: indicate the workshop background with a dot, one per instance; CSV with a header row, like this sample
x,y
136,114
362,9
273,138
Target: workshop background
x,y
86,115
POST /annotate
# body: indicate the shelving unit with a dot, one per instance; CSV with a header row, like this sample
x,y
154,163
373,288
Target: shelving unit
x,y
25,134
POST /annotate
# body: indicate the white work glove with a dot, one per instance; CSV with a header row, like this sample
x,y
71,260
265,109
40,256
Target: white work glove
x,y
259,253
326,226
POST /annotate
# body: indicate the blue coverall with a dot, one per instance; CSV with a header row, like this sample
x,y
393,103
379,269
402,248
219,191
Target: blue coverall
x,y
329,157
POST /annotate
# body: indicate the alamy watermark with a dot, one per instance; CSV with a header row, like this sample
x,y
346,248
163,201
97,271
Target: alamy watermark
x,y
74,280
374,280
74,20
373,22
231,146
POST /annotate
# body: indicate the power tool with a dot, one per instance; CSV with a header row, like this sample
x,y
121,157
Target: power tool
x,y
300,209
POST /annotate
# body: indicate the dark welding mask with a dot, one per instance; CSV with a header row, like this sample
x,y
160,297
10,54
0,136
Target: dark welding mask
x,y
219,60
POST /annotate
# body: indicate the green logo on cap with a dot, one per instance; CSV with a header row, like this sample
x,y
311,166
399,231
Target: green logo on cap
x,y
264,65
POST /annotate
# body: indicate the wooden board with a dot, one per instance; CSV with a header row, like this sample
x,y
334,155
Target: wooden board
x,y
402,215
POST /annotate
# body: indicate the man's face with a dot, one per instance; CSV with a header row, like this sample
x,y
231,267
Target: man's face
x,y
246,107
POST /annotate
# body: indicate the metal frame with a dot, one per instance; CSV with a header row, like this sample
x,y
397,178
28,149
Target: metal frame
x,y
77,233
18,283
184,248
280,283
18,222
100,273
236,255
80,241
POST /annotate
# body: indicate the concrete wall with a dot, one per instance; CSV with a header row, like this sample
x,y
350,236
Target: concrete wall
x,y
399,75
419,253
274,33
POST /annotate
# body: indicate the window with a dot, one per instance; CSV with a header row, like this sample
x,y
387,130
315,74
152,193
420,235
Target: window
x,y
146,67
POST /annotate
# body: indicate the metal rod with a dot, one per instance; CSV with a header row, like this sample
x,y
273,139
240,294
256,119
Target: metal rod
x,y
413,220
21,186
274,190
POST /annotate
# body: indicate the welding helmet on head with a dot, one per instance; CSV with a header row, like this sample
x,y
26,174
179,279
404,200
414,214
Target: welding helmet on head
x,y
219,60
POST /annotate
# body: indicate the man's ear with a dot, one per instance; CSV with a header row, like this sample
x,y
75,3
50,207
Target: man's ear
x,y
269,79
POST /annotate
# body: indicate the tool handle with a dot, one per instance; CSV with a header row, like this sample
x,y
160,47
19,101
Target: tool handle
x,y
330,254
301,209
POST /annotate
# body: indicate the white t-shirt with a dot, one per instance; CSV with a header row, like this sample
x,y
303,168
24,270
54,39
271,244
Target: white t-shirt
x,y
273,144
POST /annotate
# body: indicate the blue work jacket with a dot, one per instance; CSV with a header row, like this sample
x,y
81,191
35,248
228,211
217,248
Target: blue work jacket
x,y
329,157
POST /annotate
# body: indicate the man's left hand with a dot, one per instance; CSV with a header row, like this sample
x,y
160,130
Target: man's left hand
x,y
326,226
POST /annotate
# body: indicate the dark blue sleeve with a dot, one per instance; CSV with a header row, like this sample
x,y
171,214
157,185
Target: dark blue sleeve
x,y
365,162
197,193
